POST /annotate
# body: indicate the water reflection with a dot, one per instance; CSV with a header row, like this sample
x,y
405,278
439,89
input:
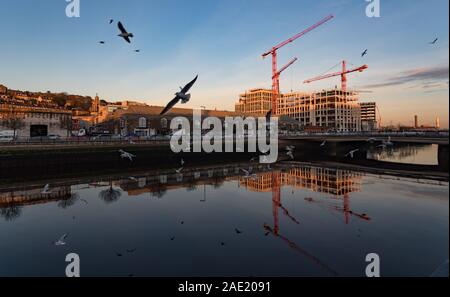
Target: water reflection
x,y
426,154
290,217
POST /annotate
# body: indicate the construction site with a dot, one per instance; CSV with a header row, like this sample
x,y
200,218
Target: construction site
x,y
331,110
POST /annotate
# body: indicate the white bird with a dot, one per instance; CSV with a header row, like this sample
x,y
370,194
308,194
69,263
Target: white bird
x,y
179,170
352,153
323,143
61,241
371,140
388,142
181,95
290,148
290,154
133,178
124,154
182,162
46,189
123,33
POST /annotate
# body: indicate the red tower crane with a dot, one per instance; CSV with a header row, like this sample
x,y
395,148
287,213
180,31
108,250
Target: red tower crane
x,y
342,73
275,72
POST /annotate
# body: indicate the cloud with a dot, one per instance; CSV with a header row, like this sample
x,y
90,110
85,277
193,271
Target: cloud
x,y
426,78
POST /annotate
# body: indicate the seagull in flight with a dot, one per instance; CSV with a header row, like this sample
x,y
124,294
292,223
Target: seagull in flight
x,y
179,170
323,143
101,42
182,95
434,41
371,140
352,153
364,53
124,34
61,241
111,21
290,151
137,51
124,154
182,162
46,189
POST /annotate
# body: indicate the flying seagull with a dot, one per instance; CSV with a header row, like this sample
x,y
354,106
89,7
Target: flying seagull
x,y
46,189
352,153
323,143
101,42
61,241
179,170
124,154
137,51
238,231
434,41
182,95
111,21
364,53
124,34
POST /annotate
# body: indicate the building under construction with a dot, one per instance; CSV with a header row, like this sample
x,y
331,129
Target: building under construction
x,y
332,110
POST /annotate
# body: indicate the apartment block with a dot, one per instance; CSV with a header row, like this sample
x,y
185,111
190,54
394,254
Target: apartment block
x,y
368,116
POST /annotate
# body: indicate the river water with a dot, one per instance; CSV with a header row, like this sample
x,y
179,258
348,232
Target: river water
x,y
290,220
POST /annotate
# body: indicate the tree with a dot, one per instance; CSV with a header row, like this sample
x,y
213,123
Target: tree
x,y
66,123
14,122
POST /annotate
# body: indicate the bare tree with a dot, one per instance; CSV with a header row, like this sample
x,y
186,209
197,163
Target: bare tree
x,y
14,122
110,195
11,212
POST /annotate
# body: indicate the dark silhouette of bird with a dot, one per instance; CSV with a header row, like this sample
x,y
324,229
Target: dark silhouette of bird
x,y
172,239
182,95
364,53
137,51
118,254
123,33
111,21
238,231
222,243
182,222
434,41
101,42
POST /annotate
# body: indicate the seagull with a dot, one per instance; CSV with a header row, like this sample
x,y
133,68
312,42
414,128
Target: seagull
x,y
290,154
238,231
351,153
182,95
111,21
182,162
137,51
118,254
434,41
124,154
364,53
323,143
46,189
371,140
61,241
248,175
133,178
101,42
290,148
179,170
124,34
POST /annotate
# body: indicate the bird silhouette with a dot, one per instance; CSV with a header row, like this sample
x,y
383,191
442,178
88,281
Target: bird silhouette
x,y
434,41
123,33
364,53
180,96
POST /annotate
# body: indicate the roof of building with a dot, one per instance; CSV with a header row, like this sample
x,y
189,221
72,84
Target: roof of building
x,y
156,110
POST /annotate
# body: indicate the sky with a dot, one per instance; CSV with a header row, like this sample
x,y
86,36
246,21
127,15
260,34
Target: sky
x,y
222,40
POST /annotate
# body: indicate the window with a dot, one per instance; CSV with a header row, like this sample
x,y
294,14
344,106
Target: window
x,y
164,123
142,122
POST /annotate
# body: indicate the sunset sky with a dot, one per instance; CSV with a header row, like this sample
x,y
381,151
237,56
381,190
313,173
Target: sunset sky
x,y
222,40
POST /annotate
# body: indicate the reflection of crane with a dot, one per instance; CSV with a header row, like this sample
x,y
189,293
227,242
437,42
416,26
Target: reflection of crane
x,y
275,72
342,73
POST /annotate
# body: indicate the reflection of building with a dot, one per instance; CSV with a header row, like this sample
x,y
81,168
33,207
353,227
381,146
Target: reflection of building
x,y
328,109
34,196
325,180
368,116
38,122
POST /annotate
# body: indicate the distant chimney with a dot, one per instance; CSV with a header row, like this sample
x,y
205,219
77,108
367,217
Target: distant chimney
x,y
416,121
